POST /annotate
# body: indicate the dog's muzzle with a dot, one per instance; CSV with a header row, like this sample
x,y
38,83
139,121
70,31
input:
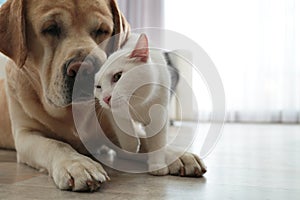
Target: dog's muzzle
x,y
79,78
83,68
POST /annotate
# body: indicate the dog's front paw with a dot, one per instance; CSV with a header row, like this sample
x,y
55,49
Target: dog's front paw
x,y
188,165
78,174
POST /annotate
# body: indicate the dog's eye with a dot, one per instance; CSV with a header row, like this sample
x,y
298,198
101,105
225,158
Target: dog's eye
x,y
101,32
53,30
116,77
98,87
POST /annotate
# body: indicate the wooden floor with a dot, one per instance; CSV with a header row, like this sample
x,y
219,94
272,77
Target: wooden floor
x,y
249,162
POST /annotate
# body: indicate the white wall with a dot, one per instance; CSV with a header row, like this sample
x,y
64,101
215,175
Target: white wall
x,y
3,61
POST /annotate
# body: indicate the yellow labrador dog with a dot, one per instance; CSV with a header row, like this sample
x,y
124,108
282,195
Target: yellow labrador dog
x,y
47,42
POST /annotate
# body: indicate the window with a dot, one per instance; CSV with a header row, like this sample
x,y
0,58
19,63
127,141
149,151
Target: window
x,y
255,46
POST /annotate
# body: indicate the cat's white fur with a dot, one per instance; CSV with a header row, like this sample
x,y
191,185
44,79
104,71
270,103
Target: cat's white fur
x,y
135,69
144,127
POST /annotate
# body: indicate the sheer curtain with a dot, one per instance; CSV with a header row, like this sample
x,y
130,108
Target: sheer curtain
x,y
143,13
255,44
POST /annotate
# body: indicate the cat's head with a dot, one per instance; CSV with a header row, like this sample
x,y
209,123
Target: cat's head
x,y
114,69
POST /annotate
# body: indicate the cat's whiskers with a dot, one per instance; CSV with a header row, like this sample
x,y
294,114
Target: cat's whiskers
x,y
100,115
135,96
99,111
117,102
94,106
122,99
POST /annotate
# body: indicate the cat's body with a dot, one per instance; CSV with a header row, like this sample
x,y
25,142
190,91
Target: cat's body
x,y
135,86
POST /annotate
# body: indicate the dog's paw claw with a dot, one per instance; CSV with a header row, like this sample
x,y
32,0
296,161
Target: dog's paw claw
x,y
197,172
71,183
79,174
182,171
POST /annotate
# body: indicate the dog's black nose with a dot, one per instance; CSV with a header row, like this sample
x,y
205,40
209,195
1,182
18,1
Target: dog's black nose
x,y
79,78
85,67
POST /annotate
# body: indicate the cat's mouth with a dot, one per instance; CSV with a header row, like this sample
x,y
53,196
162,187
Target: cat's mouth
x,y
117,103
113,103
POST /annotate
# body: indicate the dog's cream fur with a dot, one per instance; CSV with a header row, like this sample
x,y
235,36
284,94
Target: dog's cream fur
x,y
36,117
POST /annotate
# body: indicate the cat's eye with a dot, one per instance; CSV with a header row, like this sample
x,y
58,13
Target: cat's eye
x,y
98,87
116,77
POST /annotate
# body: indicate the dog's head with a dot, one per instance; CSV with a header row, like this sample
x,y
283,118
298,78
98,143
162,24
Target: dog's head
x,y
52,39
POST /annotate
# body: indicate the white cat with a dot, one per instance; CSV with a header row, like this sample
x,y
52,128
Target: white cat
x,y
135,84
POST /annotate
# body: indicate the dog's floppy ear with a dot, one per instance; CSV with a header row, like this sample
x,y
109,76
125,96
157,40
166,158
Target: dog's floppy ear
x,y
12,31
121,26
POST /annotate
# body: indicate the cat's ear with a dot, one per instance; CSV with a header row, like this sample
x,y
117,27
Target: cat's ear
x,y
141,49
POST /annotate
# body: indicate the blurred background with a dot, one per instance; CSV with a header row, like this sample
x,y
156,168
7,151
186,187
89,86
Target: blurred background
x,y
255,45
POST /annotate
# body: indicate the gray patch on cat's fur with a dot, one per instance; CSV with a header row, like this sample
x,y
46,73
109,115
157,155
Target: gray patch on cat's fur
x,y
173,71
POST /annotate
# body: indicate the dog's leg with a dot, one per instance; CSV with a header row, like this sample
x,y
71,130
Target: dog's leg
x,y
69,169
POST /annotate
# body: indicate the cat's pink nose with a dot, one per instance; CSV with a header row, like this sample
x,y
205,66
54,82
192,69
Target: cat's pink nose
x,y
107,100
